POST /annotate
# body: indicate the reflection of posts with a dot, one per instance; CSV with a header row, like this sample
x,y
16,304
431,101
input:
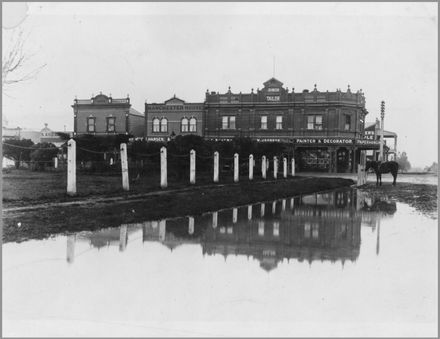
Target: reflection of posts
x,y
190,225
71,167
236,167
251,167
216,165
261,227
263,167
70,255
192,167
214,219
124,167
378,236
163,168
234,215
162,229
123,238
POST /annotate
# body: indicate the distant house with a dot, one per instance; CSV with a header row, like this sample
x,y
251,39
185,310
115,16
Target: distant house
x,y
372,132
104,115
47,135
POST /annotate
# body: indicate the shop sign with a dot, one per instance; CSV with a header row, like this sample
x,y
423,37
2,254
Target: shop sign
x,y
323,141
367,142
268,140
155,139
273,98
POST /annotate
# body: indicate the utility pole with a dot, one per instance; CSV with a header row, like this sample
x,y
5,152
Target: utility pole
x,y
382,116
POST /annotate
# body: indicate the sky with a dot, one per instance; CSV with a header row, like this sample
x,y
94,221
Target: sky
x,y
151,51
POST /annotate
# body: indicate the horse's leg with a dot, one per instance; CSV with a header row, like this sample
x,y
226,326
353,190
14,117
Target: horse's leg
x,y
380,178
394,177
377,179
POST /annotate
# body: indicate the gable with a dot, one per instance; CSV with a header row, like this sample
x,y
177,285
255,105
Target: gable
x,y
272,82
174,101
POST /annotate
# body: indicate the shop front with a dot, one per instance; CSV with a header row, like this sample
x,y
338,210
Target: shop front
x,y
331,155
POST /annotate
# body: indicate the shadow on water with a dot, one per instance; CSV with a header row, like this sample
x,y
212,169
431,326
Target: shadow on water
x,y
322,226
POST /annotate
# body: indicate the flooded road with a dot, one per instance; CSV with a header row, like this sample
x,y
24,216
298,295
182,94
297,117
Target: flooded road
x,y
330,264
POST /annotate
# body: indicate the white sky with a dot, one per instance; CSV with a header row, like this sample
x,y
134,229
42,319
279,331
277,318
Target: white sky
x,y
154,50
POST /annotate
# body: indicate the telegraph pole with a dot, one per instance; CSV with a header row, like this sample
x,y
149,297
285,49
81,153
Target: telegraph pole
x,y
382,116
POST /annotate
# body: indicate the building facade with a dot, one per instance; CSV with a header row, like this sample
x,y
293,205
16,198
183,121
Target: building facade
x,y
171,118
323,131
104,115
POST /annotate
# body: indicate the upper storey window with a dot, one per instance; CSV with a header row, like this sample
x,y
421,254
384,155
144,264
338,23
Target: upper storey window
x,y
184,125
91,125
314,122
228,122
264,122
193,125
347,122
279,122
156,125
111,122
164,125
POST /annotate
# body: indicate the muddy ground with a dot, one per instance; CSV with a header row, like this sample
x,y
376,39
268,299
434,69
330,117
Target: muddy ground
x,y
51,219
419,196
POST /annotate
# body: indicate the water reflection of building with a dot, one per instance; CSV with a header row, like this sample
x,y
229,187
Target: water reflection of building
x,y
317,227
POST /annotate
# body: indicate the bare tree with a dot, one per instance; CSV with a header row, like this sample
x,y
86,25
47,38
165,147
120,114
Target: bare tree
x,y
15,61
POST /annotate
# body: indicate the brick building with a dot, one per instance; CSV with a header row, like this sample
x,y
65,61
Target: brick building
x,y
104,115
324,131
171,118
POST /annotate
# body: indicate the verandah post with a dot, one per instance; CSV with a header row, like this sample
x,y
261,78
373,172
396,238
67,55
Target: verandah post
x,y
124,167
163,167
71,167
275,167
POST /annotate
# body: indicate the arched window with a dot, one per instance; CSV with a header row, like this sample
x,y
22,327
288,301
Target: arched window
x,y
193,125
184,125
164,125
156,125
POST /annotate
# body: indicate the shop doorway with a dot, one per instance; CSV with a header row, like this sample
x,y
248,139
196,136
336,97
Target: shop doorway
x,y
343,160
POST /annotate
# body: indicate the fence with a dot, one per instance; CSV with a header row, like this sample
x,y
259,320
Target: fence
x,y
141,171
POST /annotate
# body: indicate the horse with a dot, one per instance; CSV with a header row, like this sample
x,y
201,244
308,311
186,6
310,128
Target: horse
x,y
383,167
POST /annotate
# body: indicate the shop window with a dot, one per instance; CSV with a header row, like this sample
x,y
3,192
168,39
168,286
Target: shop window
x,y
184,125
111,122
193,125
91,125
314,122
279,122
164,125
156,125
228,122
264,122
347,122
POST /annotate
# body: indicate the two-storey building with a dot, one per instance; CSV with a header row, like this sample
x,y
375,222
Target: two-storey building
x,y
171,118
104,115
324,131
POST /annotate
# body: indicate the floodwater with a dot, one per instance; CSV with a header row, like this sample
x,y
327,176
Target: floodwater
x,y
330,264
